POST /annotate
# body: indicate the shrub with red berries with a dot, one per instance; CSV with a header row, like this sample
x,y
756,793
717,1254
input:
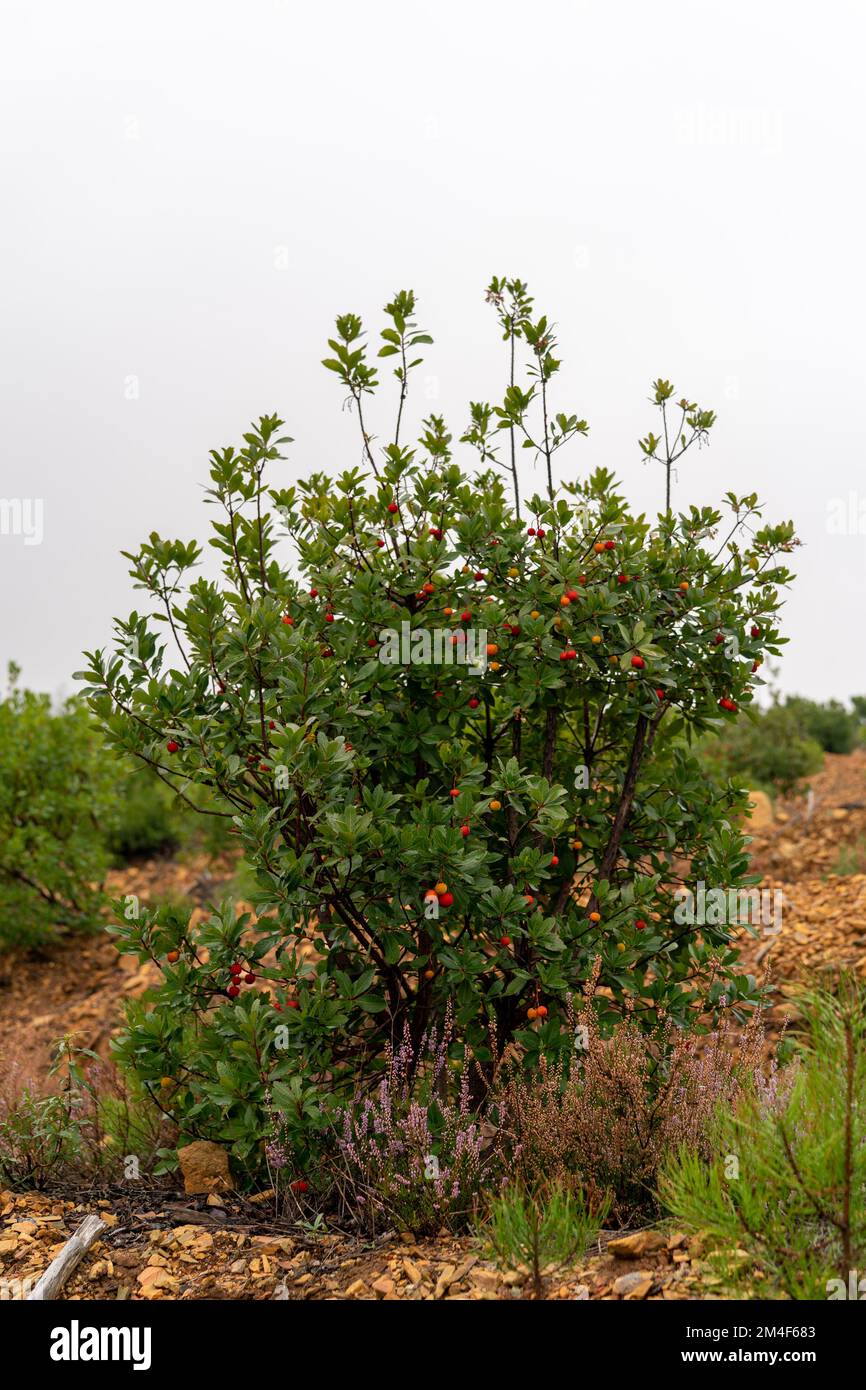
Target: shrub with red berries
x,y
338,770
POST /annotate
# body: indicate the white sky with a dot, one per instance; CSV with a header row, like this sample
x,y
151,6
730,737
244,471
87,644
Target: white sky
x,y
192,191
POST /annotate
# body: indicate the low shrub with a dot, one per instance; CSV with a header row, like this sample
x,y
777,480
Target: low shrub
x,y
93,1127
785,1183
542,1229
605,1120
56,798
147,818
831,725
769,750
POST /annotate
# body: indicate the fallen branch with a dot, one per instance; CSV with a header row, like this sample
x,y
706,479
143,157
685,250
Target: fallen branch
x,y
73,1252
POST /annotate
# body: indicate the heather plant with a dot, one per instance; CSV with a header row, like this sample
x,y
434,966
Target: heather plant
x,y
606,1119
425,828
415,1154
541,1229
780,1200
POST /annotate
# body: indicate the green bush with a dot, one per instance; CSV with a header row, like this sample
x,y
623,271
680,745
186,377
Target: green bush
x,y
55,812
147,818
831,725
787,1184
769,750
436,831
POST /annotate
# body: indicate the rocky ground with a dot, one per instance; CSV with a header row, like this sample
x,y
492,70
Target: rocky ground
x,y
161,1244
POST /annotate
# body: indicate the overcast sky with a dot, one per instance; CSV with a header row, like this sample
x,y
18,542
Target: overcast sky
x,y
192,189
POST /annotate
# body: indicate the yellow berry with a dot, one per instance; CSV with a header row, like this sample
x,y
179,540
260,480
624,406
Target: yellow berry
x,y
620,946
165,1082
496,805
535,613
513,572
596,639
441,887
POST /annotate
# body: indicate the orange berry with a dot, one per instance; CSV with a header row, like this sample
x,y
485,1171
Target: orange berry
x,y
595,917
496,805
531,1013
173,956
441,887
596,638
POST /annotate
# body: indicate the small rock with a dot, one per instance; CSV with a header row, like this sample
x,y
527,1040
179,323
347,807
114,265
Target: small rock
x,y
635,1285
634,1246
205,1167
384,1286
356,1289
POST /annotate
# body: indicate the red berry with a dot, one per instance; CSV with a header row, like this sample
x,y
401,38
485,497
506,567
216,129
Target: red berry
x,y
755,630
541,534
638,663
719,638
250,978
464,831
505,940
314,593
479,574
371,642
474,702
640,924
271,724
289,622
541,1011
233,991
455,791
172,746
531,531
446,899
392,507
581,579
623,578
380,544
609,545
300,1185
292,1004
554,860
466,616
660,693
572,594
329,617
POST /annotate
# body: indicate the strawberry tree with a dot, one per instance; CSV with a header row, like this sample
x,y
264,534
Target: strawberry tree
x,y
422,830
